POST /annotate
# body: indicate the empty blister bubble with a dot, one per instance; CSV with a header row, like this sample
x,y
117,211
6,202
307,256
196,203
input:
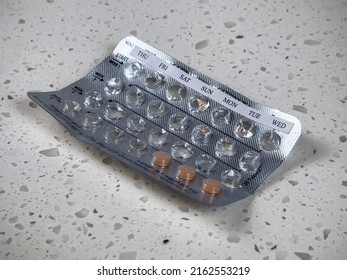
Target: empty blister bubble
x,y
113,134
176,93
250,161
182,150
113,86
245,129
225,147
205,163
158,137
231,178
156,109
154,81
185,130
178,122
201,134
134,97
92,120
198,104
114,111
132,69
93,99
137,146
72,108
136,123
220,116
270,141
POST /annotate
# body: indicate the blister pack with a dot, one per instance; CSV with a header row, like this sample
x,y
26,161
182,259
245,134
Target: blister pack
x,y
180,127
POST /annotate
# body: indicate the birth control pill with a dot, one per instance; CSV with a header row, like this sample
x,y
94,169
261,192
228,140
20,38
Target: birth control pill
x,y
161,159
186,173
211,186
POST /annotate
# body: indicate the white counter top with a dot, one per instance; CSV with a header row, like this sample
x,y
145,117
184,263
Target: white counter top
x,y
60,199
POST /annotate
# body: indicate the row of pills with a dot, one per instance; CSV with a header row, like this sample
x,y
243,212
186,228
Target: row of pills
x,y
188,173
161,159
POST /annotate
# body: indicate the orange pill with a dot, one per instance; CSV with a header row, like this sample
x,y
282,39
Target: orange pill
x,y
211,186
186,172
161,159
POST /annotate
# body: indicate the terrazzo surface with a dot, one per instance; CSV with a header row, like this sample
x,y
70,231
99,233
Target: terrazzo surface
x,y
60,199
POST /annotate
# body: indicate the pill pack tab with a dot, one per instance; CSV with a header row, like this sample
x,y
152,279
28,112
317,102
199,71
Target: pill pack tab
x,y
174,124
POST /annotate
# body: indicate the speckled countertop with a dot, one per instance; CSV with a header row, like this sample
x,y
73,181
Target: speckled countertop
x,y
60,199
